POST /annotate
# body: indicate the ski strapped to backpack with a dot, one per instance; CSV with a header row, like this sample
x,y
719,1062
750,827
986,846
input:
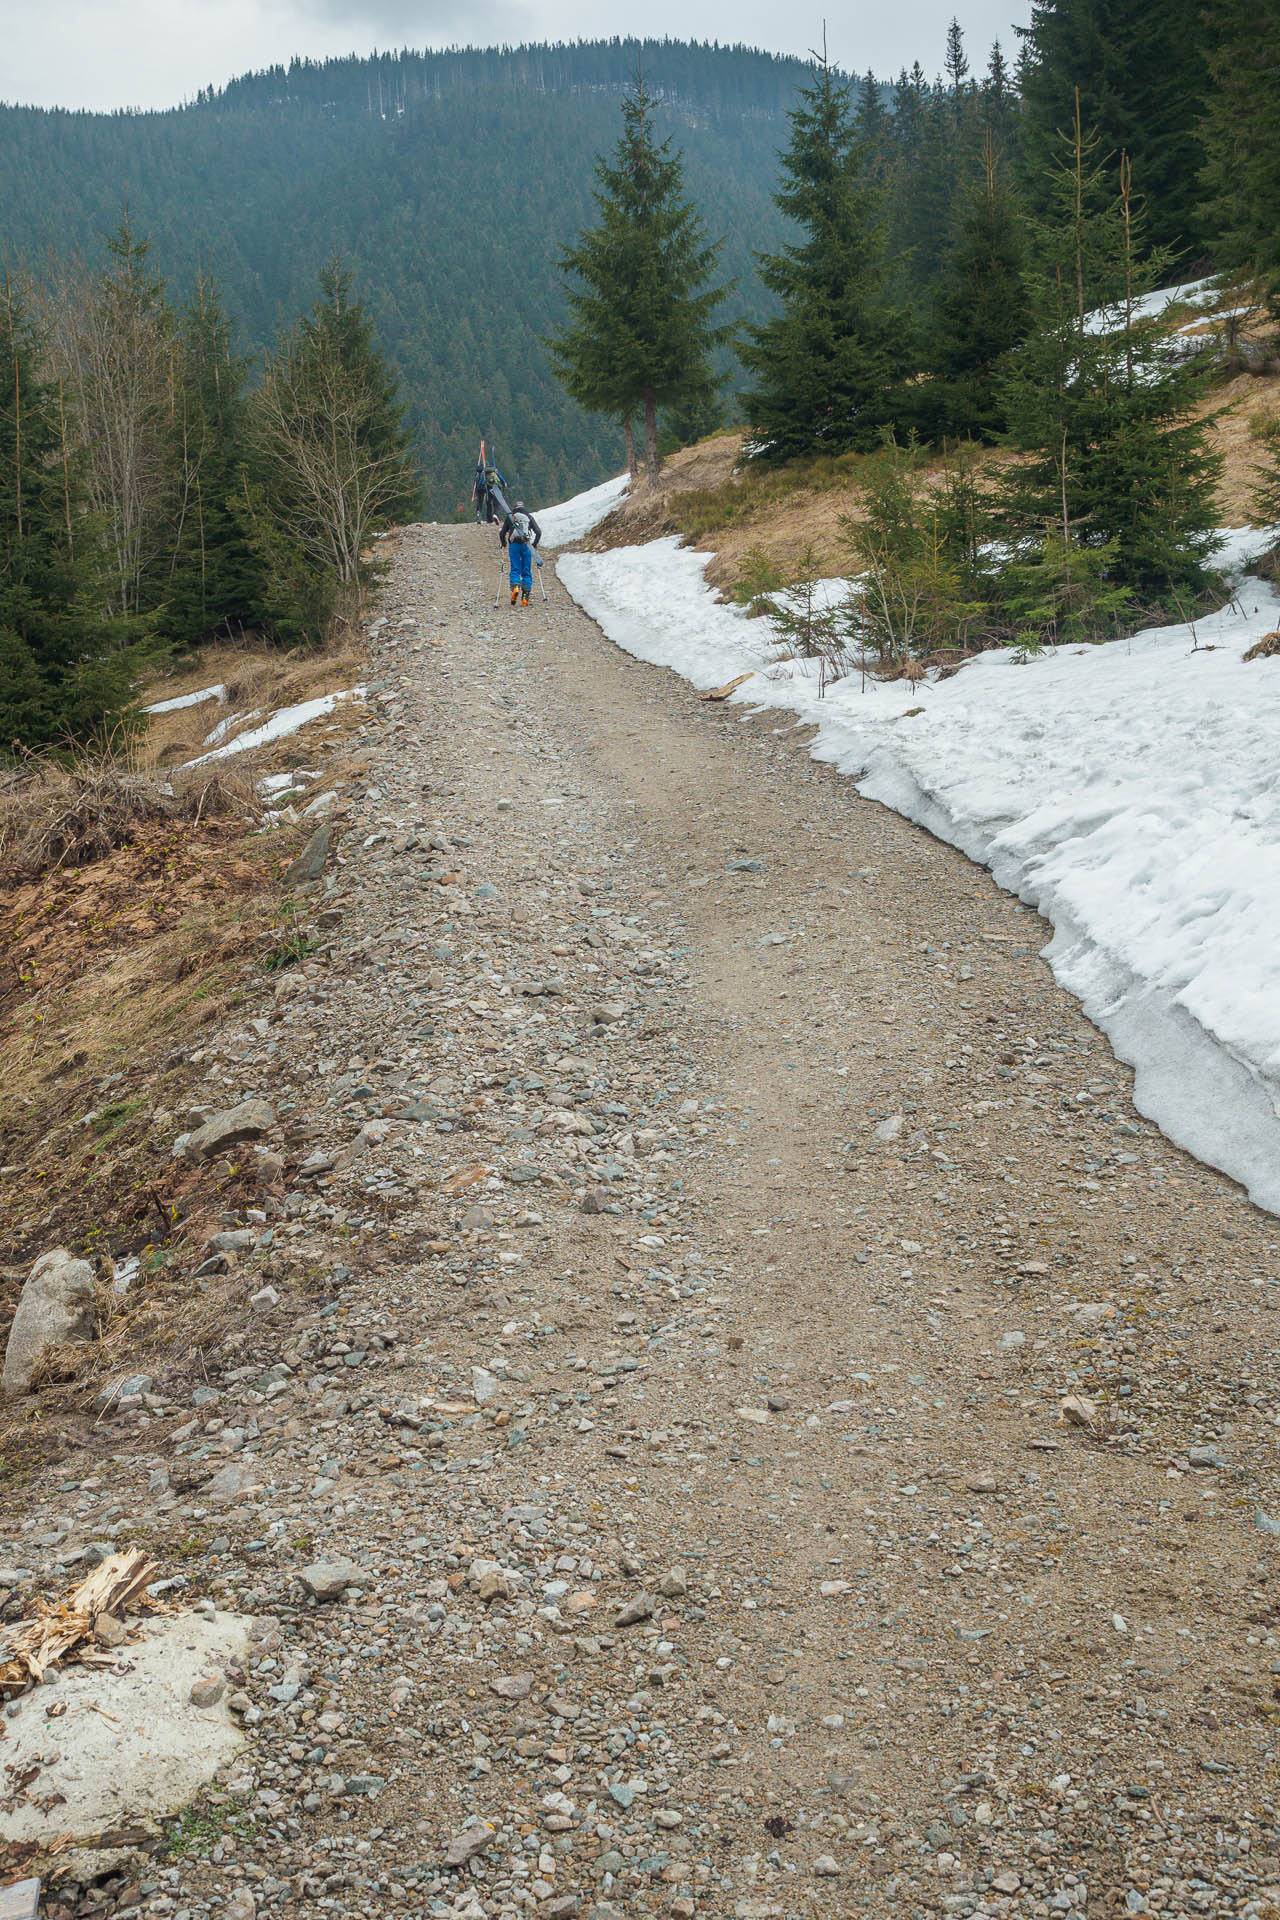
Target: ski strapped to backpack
x,y
494,484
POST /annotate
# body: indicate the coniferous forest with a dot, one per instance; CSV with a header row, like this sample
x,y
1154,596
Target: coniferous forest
x,y
405,244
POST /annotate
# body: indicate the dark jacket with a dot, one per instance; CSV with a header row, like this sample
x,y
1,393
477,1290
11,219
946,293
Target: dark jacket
x,y
504,531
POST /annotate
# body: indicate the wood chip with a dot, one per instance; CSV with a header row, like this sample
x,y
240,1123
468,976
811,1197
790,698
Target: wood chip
x,y
722,693
63,1629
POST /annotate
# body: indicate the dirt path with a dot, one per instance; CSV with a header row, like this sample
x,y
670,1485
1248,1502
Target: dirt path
x,y
715,1200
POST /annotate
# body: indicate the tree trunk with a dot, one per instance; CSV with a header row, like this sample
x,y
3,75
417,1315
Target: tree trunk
x,y
651,436
629,437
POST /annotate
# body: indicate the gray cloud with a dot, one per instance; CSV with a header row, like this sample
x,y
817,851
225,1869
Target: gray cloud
x,y
154,53
412,23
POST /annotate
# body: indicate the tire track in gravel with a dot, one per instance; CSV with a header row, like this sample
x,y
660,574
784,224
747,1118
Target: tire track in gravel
x,y
869,973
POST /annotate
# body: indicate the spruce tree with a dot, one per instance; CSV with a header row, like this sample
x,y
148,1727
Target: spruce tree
x,y
875,130
1143,82
999,103
828,369
982,311
1242,141
956,60
640,333
66,668
214,579
1097,396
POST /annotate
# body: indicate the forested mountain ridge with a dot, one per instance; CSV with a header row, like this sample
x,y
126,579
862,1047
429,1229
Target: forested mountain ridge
x,y
447,182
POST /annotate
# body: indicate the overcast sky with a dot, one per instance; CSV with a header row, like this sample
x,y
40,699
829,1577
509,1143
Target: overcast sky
x,y
155,53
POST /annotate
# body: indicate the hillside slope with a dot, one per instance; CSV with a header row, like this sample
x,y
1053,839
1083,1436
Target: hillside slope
x,y
448,183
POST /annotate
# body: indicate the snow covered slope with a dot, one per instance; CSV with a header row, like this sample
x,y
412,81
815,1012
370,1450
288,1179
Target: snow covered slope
x,y
1131,792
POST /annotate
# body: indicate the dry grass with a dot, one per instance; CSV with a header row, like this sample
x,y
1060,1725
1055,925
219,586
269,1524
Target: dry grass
x,y
137,899
57,813
791,514
1249,401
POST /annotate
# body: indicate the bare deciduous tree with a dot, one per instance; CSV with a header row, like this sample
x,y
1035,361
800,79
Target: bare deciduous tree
x,y
334,473
111,339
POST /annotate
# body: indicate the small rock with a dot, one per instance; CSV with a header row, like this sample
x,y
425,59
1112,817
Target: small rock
x,y
1206,1457
237,1240
108,1631
484,1386
228,1485
641,1608
130,1388
264,1298
512,1686
1077,1411
466,1845
890,1129
674,1585
310,863
826,1866
328,1579
208,1691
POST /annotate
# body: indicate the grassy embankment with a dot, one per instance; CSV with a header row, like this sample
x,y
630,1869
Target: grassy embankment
x,y
139,903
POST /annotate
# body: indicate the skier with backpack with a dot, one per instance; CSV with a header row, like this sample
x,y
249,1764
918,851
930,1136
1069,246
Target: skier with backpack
x,y
488,491
520,534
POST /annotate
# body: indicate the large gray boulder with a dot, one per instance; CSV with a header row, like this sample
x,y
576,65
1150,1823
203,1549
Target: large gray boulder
x,y
55,1309
249,1121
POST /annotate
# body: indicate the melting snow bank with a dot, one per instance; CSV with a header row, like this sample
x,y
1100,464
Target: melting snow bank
x,y
218,693
1130,792
284,721
573,519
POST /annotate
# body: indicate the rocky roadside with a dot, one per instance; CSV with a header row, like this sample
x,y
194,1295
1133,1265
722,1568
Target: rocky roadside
x,y
733,1412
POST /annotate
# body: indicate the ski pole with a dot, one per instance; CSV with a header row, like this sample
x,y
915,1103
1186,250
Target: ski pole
x,y
541,582
498,593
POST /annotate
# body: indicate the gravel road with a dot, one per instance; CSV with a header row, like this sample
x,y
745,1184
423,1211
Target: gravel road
x,y
714,1202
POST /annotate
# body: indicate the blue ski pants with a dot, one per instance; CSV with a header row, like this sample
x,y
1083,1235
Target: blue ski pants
x,y
520,555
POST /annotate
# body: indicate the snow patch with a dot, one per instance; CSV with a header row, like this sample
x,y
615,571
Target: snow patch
x,y
218,693
573,519
1128,791
1148,306
229,725
284,721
